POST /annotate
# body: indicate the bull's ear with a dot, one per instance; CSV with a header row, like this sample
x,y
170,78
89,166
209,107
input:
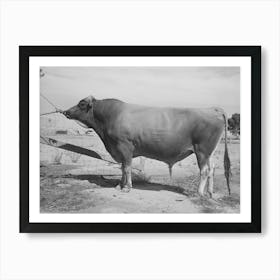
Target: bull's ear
x,y
90,100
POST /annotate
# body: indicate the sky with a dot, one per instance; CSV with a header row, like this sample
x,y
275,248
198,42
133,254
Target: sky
x,y
151,86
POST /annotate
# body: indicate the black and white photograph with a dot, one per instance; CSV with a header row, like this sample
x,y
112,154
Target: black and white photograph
x,y
140,139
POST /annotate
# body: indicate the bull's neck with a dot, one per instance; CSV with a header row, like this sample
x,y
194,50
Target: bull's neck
x,y
103,111
98,119
98,128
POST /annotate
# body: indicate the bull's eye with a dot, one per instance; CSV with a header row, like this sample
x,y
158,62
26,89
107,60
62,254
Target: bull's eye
x,y
82,105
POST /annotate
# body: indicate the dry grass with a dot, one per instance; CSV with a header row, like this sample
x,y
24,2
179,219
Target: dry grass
x,y
84,184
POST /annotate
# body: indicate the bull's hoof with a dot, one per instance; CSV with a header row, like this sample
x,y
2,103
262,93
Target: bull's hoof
x,y
118,187
210,194
214,197
201,195
126,189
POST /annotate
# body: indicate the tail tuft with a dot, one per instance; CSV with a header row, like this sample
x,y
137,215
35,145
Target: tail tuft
x,y
227,168
227,163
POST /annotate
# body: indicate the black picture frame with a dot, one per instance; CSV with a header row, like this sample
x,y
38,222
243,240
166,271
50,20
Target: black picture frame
x,y
25,52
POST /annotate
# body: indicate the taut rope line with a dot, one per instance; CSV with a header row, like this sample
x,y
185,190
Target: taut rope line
x,y
48,113
50,102
59,111
56,109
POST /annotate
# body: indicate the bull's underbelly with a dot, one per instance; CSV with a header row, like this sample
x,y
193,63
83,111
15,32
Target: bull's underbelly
x,y
167,154
164,151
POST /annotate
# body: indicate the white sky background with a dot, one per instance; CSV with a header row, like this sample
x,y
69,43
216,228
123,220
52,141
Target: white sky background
x,y
151,86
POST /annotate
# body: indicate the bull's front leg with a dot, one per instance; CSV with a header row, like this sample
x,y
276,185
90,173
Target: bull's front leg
x,y
127,184
122,181
125,152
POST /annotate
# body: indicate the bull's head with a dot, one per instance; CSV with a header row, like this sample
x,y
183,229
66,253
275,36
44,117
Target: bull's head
x,y
82,111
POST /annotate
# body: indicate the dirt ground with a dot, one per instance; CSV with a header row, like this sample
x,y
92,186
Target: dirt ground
x,y
70,183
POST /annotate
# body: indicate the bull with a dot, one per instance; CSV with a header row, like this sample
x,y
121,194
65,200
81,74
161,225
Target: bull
x,y
165,134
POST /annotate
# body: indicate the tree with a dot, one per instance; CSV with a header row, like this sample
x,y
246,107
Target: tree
x,y
42,74
234,124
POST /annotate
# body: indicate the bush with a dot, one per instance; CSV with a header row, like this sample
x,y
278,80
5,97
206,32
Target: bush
x,y
140,177
57,157
234,124
74,156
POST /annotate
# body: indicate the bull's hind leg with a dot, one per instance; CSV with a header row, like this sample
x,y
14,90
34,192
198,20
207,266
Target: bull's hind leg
x,y
202,160
204,174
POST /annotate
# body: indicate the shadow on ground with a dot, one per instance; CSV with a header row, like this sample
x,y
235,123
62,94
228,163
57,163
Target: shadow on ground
x,y
205,204
105,182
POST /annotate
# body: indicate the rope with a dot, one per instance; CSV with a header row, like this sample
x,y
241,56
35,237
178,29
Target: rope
x,y
79,123
71,148
49,113
49,102
56,109
60,111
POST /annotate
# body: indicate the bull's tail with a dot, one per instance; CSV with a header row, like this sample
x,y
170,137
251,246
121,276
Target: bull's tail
x,y
226,157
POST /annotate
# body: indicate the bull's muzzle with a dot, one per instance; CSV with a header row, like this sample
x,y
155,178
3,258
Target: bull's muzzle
x,y
66,114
